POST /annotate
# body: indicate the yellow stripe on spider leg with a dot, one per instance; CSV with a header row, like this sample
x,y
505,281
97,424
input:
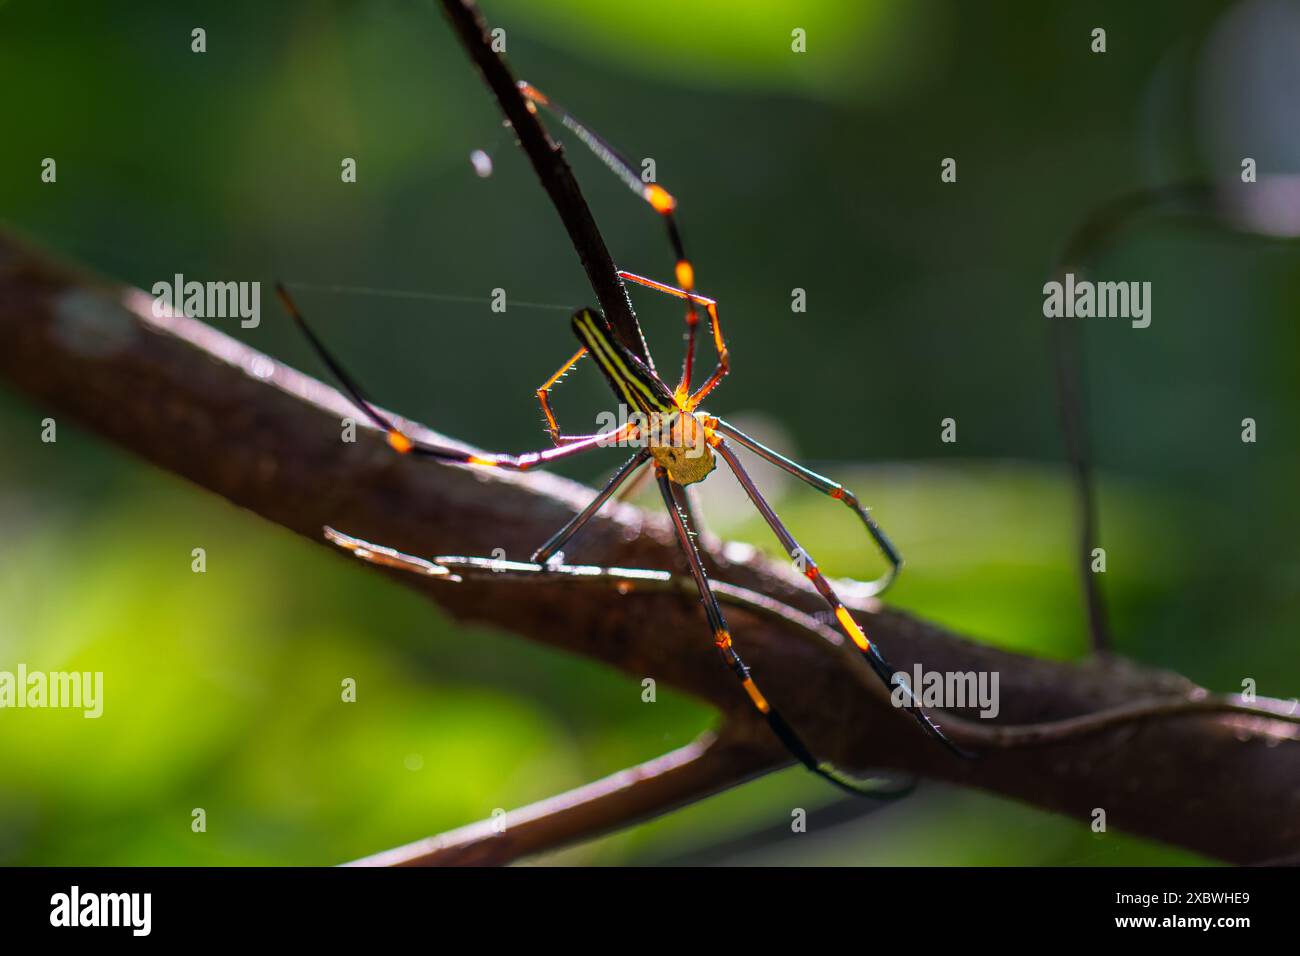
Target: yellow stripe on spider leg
x,y
851,628
755,695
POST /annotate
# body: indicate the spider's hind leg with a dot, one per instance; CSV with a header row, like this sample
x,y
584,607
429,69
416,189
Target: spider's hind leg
x,y
879,665
557,541
722,639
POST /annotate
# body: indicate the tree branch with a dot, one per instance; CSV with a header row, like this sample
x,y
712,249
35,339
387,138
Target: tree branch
x,y
651,789
199,404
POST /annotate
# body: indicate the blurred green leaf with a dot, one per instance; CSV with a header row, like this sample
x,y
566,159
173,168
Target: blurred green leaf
x,y
851,48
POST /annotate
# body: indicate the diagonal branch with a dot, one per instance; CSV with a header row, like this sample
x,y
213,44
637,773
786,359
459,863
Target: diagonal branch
x,y
193,401
686,775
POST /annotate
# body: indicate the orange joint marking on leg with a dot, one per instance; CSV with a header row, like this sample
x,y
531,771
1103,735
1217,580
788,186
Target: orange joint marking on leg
x,y
722,639
837,493
480,460
685,274
660,198
755,695
812,571
533,93
399,442
851,626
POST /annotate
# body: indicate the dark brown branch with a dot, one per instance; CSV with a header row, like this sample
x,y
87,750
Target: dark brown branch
x,y
553,170
196,403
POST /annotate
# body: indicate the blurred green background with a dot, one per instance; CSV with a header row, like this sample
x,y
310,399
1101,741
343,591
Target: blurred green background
x,y
818,171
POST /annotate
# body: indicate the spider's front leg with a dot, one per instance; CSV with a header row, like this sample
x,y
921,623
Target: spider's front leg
x,y
685,398
558,540
404,444
544,400
658,198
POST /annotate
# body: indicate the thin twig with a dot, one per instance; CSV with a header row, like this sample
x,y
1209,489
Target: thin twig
x,y
1058,731
639,793
1081,249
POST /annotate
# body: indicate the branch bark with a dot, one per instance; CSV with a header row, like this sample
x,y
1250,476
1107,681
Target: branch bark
x,y
193,401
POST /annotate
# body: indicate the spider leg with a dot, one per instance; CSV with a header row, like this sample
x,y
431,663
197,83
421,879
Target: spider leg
x,y
722,638
544,399
687,502
455,569
543,554
684,395
629,490
404,444
655,195
388,557
831,489
524,462
848,625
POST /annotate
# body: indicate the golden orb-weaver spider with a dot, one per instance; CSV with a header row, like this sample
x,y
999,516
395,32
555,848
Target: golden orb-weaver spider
x,y
679,441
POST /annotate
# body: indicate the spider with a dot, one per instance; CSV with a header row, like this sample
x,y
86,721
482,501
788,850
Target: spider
x,y
676,438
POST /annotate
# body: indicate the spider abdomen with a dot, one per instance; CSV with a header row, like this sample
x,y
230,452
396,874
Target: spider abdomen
x,y
681,446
